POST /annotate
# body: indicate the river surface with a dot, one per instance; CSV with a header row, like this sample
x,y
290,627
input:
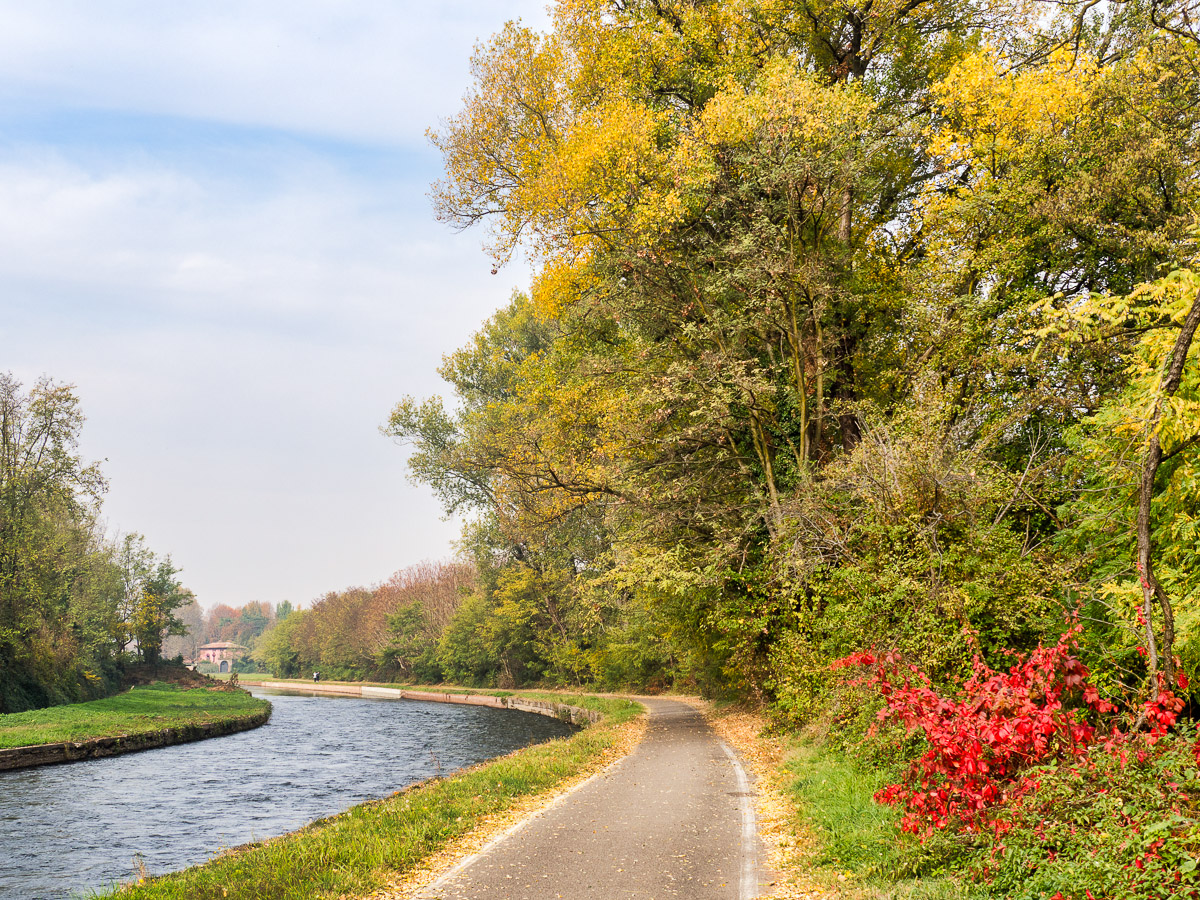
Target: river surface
x,y
68,830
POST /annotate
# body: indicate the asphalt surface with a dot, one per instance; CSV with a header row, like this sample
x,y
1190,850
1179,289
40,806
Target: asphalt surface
x,y
674,819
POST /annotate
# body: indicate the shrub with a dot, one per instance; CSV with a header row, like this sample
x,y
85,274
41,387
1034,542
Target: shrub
x,y
980,746
1045,799
1122,821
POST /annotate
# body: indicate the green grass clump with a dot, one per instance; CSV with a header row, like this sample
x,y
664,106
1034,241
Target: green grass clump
x,y
353,853
138,711
860,838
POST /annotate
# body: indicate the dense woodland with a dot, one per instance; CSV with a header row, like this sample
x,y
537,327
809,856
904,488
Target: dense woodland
x,y
851,326
75,603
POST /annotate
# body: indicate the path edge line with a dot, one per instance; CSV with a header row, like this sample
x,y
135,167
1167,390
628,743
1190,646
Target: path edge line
x,y
427,892
748,879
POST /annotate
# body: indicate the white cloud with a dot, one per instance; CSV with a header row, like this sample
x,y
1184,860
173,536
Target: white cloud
x,y
371,70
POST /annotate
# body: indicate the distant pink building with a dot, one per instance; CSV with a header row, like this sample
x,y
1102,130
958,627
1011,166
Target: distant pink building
x,y
221,654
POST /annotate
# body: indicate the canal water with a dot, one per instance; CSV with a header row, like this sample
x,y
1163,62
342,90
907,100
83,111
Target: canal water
x,y
69,830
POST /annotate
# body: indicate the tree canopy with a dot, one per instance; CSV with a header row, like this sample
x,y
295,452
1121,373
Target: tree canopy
x,y
71,600
849,323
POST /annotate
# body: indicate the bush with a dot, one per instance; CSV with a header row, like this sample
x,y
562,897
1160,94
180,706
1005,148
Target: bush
x,y
1023,778
1119,822
980,745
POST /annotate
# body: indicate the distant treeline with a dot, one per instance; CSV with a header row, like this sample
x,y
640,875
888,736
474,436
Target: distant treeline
x,y
239,625
75,604
475,622
401,629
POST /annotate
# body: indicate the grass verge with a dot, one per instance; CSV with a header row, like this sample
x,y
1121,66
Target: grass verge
x,y
142,710
366,848
823,833
856,841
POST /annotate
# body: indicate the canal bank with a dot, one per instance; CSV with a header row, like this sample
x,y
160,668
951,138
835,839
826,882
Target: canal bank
x,y
99,748
564,712
143,718
89,826
366,848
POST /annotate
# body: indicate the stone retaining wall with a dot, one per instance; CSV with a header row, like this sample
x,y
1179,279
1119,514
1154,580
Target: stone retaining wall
x,y
574,714
73,751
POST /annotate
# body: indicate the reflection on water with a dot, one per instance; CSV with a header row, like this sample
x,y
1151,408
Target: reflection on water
x,y
66,830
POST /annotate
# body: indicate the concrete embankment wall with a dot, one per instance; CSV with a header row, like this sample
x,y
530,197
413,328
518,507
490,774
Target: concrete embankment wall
x,y
562,711
73,751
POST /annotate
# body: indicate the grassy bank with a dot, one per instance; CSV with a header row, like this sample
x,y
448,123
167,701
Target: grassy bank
x,y
856,838
363,849
141,710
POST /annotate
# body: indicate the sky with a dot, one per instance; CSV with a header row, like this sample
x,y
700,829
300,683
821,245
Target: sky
x,y
215,224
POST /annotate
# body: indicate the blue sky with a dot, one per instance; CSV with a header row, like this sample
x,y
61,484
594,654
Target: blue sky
x,y
214,223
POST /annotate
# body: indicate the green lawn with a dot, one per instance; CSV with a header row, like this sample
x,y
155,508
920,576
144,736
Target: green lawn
x,y
143,709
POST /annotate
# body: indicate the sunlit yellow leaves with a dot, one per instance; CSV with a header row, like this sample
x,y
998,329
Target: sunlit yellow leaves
x,y
691,46
602,132
495,149
1154,311
993,113
1123,597
559,283
788,112
596,180
562,174
1169,299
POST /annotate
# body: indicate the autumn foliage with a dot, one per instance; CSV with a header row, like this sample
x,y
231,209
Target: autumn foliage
x,y
370,631
848,325
984,745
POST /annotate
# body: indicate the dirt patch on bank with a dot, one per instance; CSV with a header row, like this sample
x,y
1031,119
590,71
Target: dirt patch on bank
x,y
137,676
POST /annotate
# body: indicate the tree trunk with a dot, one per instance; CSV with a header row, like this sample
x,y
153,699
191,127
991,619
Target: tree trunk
x,y
1151,590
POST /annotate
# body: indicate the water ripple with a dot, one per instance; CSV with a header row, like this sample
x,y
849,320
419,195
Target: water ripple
x,y
67,830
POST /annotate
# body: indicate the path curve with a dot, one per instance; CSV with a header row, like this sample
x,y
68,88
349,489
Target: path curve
x,y
675,818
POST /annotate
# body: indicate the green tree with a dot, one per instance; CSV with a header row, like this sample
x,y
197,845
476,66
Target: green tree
x,y
411,652
276,650
150,599
52,565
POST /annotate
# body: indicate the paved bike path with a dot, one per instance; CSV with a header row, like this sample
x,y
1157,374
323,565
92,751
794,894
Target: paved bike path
x,y
672,819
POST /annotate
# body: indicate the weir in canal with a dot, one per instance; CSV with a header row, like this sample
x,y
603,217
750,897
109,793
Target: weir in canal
x,y
71,829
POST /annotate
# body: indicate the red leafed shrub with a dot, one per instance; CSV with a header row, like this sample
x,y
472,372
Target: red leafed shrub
x,y
981,745
1161,712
